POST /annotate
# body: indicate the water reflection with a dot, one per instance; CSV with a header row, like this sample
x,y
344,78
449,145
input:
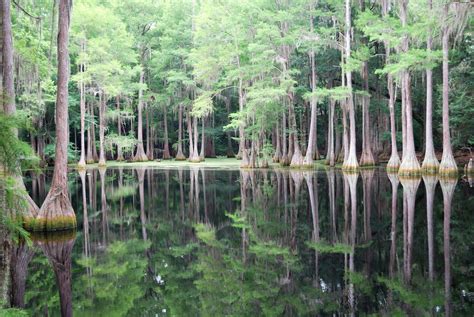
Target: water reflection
x,y
194,241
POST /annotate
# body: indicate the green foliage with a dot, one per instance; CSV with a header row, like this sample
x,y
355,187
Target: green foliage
x,y
14,153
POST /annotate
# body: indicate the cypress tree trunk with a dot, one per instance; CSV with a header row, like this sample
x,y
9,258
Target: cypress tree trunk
x,y
350,161
102,105
330,155
448,165
310,151
89,156
297,158
230,151
410,165
166,147
119,130
194,156
95,156
367,157
277,155
140,155
179,155
57,213
284,160
203,141
430,162
190,134
241,126
82,103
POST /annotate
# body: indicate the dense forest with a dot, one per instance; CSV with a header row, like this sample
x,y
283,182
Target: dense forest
x,y
191,137
353,82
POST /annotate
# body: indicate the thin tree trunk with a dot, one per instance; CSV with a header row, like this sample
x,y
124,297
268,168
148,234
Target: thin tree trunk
x,y
310,151
241,126
179,155
448,165
166,146
430,162
102,104
89,154
277,155
194,157
410,165
82,103
203,141
119,130
367,157
350,162
140,155
330,156
230,151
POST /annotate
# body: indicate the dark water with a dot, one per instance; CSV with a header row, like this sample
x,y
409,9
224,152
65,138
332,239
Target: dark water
x,y
191,242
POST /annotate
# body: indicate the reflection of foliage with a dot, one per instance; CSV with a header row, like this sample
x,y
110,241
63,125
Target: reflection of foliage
x,y
41,287
421,297
116,282
13,312
324,247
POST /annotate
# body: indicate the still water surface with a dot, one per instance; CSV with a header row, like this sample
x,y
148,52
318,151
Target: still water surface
x,y
223,242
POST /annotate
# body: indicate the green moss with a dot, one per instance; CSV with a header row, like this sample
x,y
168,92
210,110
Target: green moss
x,y
54,224
392,169
449,172
429,170
409,172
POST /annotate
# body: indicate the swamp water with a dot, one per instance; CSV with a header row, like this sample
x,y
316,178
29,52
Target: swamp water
x,y
223,242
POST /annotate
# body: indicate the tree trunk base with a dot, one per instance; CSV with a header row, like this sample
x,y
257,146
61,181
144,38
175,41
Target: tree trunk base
x,y
194,159
409,166
55,214
102,163
366,160
140,156
393,163
308,160
448,166
81,165
180,157
245,160
430,165
351,164
284,160
166,155
297,159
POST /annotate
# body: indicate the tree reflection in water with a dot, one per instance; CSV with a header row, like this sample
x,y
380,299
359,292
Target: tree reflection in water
x,y
194,241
